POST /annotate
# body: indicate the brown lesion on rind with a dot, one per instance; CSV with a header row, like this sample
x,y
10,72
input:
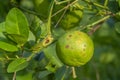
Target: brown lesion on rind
x,y
70,35
83,49
84,45
67,46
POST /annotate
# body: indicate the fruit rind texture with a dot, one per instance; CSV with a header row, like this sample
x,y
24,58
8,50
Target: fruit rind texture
x,y
75,48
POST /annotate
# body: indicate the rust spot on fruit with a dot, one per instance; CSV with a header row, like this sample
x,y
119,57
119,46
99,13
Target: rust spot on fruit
x,y
84,45
83,49
67,46
83,54
67,38
70,35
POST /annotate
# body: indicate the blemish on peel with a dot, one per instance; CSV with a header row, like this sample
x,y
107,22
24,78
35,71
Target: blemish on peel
x,y
84,45
67,46
70,35
83,49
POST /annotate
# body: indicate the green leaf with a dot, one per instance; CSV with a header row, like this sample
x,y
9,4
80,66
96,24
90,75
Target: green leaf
x,y
107,57
60,73
2,27
17,24
117,27
43,30
119,2
8,47
24,75
37,26
43,74
17,65
54,61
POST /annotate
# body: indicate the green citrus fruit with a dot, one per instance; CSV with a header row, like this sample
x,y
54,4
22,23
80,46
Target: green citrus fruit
x,y
42,7
74,48
71,18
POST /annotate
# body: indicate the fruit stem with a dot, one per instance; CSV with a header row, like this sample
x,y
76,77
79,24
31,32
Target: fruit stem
x,y
74,72
14,76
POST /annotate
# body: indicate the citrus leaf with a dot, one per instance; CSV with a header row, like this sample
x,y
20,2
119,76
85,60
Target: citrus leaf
x,y
35,26
17,65
62,73
54,63
117,27
17,24
119,2
107,57
8,47
2,27
43,74
24,75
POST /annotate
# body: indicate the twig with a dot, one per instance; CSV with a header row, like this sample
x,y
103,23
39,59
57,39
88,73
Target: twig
x,y
63,8
95,4
14,76
97,72
94,29
74,72
61,17
99,21
95,23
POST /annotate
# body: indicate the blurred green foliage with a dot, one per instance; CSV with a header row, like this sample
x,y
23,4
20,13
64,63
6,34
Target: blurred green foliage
x,y
105,64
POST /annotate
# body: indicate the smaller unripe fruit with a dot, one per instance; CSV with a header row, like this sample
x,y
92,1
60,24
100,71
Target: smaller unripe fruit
x,y
71,19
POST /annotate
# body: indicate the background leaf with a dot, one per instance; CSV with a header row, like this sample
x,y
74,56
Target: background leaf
x,y
63,73
43,74
119,2
117,27
24,75
17,65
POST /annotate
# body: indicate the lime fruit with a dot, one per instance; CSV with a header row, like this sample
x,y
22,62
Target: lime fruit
x,y
71,19
42,7
75,48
